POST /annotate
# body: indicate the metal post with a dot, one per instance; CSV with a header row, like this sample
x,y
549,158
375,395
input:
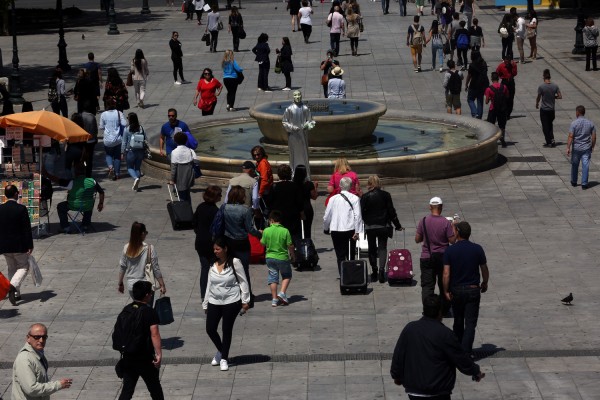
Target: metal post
x,y
579,47
112,20
63,62
16,97
145,8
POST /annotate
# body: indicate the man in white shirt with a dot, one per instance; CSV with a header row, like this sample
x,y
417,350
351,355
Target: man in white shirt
x,y
344,220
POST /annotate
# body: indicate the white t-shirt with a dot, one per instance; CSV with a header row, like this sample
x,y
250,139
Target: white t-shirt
x,y
305,13
520,32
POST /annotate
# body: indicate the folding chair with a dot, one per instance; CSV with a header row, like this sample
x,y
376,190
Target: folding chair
x,y
86,203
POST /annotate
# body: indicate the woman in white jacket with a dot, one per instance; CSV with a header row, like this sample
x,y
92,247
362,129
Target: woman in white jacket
x,y
226,294
139,68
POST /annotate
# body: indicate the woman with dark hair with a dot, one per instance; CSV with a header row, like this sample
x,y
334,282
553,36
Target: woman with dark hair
x,y
136,254
236,24
139,68
476,83
261,51
238,225
207,90
84,92
263,168
305,16
182,168
309,192
437,45
286,196
287,67
111,121
212,26
231,71
590,42
115,89
132,148
227,292
532,33
176,58
59,106
74,152
378,215
203,219
507,33
326,66
294,7
353,29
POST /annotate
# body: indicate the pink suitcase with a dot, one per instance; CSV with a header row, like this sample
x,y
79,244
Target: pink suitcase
x,y
399,266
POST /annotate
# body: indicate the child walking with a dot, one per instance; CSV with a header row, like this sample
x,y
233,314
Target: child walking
x,y
280,253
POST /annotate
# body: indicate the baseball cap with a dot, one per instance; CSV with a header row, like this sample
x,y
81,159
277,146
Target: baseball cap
x,y
435,201
248,165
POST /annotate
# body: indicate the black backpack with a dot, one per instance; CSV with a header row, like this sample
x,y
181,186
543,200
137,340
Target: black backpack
x,y
454,83
128,336
499,101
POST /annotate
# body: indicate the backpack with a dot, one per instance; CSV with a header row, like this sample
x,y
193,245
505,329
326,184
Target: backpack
x,y
217,228
454,83
499,101
52,94
462,42
417,39
127,336
137,140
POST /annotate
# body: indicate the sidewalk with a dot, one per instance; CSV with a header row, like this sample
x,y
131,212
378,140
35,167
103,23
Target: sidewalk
x,y
539,233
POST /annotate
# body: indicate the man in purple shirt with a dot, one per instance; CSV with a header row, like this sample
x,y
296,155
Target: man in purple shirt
x,y
436,234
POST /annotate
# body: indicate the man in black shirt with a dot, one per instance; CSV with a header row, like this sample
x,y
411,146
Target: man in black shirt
x,y
145,360
427,355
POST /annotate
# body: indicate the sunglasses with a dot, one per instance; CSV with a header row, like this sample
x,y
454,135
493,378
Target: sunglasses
x,y
38,337
206,73
172,116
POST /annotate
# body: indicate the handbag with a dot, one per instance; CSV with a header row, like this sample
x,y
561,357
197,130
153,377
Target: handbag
x,y
240,77
164,310
530,33
241,33
219,26
36,274
324,79
361,26
129,81
446,48
149,271
278,65
206,38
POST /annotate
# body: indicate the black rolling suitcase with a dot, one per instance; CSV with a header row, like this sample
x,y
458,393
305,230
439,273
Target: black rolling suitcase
x,y
306,253
353,276
180,212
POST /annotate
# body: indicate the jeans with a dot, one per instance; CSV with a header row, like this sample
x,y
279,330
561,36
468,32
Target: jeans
x,y
403,8
334,41
231,85
214,37
60,106
377,240
510,85
340,245
235,35
277,267
205,264
63,207
385,5
476,109
437,51
590,54
465,307
214,314
461,56
507,44
430,272
132,370
134,162
468,17
263,75
546,118
177,67
583,156
113,158
500,117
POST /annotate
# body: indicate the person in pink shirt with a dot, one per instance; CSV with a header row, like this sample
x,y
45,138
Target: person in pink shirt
x,y
335,21
342,169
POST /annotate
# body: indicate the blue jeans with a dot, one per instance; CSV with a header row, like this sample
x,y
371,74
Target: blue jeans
x,y
334,41
113,158
476,110
465,306
277,267
435,50
134,162
583,156
385,5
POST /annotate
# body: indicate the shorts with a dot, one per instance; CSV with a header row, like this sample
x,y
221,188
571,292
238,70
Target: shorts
x,y
277,267
419,3
453,101
414,50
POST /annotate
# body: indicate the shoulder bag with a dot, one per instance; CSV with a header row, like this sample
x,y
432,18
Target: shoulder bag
x,y
149,271
129,81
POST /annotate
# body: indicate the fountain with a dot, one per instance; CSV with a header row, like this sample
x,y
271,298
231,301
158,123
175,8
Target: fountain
x,y
401,146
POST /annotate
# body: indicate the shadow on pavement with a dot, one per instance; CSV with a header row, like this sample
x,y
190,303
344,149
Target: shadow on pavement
x,y
172,343
42,296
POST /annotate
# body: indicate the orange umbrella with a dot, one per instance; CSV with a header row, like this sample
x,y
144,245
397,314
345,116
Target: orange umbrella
x,y
46,123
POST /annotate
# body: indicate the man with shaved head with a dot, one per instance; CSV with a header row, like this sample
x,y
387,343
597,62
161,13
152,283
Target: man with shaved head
x,y
30,369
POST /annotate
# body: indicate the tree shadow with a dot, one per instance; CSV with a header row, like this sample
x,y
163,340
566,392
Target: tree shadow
x,y
172,343
42,296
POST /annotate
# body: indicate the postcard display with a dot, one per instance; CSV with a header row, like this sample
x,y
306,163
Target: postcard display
x,y
20,166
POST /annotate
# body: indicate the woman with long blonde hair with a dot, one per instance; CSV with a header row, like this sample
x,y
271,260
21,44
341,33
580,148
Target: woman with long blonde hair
x,y
231,77
342,169
136,254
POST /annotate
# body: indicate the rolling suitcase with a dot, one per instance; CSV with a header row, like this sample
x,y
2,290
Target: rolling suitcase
x,y
399,266
353,276
180,212
306,253
257,250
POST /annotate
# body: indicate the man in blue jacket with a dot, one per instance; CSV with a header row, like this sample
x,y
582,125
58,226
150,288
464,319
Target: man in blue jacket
x,y
427,355
168,131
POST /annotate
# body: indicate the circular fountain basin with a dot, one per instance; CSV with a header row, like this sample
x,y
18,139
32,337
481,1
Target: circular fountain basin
x,y
340,122
405,146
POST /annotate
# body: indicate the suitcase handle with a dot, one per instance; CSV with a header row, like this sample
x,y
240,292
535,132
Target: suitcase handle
x,y
170,192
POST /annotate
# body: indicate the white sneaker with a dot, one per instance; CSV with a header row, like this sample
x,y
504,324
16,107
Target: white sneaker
x,y
216,360
224,365
136,183
177,83
286,89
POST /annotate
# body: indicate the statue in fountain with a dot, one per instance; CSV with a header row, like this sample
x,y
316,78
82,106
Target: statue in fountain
x,y
297,121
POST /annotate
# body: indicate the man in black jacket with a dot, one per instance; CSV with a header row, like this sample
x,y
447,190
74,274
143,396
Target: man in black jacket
x,y
427,355
16,240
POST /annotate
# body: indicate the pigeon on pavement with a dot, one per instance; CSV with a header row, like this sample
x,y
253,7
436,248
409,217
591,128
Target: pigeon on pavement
x,y
568,299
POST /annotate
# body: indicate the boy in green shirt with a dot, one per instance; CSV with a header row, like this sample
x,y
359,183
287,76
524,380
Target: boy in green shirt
x,y
280,252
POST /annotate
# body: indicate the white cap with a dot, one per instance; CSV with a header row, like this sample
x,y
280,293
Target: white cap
x,y
435,201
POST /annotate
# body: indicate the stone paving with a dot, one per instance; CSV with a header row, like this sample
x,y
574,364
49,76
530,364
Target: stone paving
x,y
539,233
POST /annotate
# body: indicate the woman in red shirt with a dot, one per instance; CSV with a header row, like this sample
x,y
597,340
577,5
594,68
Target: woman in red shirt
x,y
208,89
341,170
